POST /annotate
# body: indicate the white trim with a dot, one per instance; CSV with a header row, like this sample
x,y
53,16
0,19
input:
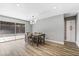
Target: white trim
x,y
69,41
77,43
55,41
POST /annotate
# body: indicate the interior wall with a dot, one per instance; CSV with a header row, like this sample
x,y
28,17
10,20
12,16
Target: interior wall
x,y
28,27
10,19
53,27
77,41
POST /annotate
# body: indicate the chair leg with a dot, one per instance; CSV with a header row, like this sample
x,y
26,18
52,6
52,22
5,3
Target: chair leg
x,y
32,42
44,41
37,42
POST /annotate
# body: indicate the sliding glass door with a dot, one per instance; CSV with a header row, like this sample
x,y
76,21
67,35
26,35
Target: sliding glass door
x,y
20,28
9,29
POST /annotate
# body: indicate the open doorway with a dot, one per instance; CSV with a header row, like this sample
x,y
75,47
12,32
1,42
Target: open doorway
x,y
70,31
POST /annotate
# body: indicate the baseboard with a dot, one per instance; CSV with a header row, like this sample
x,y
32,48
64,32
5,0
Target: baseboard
x,y
55,41
77,43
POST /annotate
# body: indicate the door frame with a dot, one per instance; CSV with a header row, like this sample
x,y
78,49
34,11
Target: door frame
x,y
65,20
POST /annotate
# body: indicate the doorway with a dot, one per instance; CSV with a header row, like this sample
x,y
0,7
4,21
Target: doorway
x,y
70,30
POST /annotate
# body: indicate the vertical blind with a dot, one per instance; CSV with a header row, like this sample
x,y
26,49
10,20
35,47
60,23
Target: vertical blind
x,y
9,28
20,28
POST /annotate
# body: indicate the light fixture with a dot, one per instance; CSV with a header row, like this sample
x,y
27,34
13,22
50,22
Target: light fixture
x,y
54,7
17,5
33,20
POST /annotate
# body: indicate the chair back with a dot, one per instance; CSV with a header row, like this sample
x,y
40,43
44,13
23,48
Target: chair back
x,y
42,36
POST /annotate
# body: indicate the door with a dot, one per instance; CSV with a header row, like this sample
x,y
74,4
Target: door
x,y
70,30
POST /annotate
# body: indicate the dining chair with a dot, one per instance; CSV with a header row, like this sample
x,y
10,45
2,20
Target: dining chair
x,y
29,37
35,40
42,38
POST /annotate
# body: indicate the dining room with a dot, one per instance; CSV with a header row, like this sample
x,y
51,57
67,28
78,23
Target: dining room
x,y
38,29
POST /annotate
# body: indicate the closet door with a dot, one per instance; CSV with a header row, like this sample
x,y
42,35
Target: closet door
x,y
70,30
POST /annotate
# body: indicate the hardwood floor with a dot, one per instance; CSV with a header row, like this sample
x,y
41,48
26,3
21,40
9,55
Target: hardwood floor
x,y
20,48
70,44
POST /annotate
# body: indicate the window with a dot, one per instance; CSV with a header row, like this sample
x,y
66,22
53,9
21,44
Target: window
x,y
9,28
20,28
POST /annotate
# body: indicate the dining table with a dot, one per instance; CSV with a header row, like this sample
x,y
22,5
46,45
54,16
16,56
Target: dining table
x,y
36,37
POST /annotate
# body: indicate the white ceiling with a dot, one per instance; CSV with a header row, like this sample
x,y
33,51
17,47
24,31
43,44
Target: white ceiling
x,y
25,11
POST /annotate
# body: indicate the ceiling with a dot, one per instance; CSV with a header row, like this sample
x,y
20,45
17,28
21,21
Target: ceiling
x,y
27,11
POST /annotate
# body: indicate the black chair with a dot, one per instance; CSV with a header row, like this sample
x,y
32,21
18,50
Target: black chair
x,y
42,39
35,40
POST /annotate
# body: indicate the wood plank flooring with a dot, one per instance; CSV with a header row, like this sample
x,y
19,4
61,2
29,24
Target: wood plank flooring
x,y
70,44
20,48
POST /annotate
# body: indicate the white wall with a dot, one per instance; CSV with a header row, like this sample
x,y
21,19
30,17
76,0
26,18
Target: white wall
x,y
77,40
52,26
28,27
